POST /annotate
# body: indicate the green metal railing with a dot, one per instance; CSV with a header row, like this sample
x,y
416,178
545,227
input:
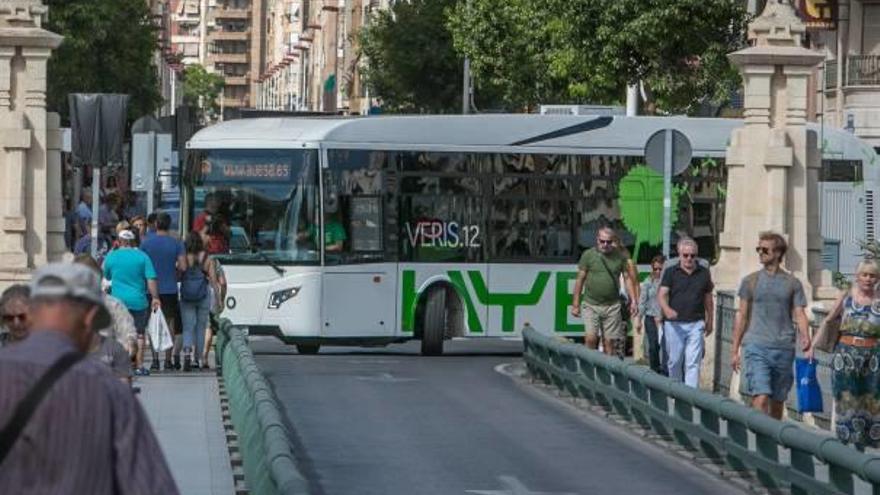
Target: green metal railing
x,y
722,430
269,462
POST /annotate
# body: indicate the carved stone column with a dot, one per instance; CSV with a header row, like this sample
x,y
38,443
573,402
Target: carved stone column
x,y
773,160
55,225
25,193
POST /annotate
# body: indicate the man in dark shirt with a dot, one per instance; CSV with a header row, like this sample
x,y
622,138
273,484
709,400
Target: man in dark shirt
x,y
169,261
89,434
685,298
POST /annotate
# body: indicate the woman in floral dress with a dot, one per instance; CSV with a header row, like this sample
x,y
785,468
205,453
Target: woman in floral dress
x,y
855,363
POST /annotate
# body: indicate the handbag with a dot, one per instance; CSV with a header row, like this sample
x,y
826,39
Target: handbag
x,y
809,395
828,334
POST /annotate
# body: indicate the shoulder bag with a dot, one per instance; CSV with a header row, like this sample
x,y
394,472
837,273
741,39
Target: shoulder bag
x,y
32,400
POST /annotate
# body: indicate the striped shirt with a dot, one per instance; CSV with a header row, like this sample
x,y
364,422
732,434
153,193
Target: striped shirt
x,y
89,435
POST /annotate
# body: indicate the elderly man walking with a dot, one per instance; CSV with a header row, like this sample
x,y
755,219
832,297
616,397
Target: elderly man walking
x,y
685,298
599,273
69,426
770,300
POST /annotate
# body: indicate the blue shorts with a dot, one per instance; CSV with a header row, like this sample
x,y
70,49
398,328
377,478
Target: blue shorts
x,y
767,371
141,320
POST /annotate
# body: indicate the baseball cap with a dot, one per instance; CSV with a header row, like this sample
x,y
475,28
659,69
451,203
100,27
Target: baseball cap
x,y
126,234
74,281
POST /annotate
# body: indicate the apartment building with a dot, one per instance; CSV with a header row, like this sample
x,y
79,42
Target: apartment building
x,y
313,62
236,48
848,85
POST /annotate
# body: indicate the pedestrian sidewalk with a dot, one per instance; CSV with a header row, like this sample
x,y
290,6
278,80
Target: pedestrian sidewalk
x,y
184,410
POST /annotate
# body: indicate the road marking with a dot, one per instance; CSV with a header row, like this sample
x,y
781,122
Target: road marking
x,y
372,361
384,378
513,486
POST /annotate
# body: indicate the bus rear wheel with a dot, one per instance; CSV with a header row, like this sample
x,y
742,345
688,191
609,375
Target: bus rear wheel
x,y
434,323
307,348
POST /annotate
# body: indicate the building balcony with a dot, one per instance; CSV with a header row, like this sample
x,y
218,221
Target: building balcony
x,y
863,70
235,80
860,70
235,102
229,35
228,58
226,13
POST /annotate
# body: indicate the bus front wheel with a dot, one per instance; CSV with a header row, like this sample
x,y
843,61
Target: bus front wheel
x,y
307,348
434,323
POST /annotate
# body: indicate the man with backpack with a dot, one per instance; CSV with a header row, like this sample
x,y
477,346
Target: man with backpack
x,y
769,301
169,260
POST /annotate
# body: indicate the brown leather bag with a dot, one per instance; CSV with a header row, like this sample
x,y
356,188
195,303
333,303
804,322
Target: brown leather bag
x,y
827,336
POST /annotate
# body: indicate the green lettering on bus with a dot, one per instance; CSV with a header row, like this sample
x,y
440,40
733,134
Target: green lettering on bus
x,y
507,300
409,300
563,303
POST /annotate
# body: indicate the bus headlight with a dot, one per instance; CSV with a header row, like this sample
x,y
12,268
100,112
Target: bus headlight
x,y
280,297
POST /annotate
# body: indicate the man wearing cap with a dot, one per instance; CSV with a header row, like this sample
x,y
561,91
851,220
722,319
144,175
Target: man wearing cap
x,y
130,273
69,426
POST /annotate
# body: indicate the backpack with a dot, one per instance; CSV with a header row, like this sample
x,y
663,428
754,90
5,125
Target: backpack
x,y
194,284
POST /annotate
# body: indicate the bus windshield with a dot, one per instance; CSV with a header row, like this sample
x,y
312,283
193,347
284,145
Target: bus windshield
x,y
250,205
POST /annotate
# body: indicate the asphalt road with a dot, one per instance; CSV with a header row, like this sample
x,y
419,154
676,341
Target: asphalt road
x,y
387,421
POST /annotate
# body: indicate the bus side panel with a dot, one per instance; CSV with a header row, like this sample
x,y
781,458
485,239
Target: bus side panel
x,y
527,294
415,278
359,300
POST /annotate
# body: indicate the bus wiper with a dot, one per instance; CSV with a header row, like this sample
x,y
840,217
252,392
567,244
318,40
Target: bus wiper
x,y
267,259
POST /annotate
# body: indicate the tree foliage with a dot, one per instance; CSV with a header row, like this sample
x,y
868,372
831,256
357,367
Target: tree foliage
x,y
411,64
201,89
108,47
573,51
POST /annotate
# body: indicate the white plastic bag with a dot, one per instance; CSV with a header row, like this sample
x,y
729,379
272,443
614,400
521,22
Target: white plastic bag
x,y
160,336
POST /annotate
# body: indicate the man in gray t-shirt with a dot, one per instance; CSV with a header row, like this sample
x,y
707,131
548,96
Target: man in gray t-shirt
x,y
771,301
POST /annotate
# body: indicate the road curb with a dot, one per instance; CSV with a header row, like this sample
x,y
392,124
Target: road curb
x,y
258,440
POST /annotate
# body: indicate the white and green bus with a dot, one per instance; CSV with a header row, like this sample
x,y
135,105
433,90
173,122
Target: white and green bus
x,y
437,227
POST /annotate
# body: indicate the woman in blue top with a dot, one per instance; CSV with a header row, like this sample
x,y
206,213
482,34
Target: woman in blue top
x,y
131,274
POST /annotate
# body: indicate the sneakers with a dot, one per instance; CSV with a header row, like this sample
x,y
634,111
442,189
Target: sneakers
x,y
141,372
154,366
187,365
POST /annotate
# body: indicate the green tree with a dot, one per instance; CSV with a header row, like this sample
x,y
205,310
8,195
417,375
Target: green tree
x,y
572,51
201,89
108,48
410,63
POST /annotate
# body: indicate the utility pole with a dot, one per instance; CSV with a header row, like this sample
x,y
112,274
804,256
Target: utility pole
x,y
466,87
466,83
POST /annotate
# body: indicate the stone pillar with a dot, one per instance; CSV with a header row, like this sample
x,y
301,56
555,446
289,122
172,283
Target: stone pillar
x,y
25,192
55,225
773,160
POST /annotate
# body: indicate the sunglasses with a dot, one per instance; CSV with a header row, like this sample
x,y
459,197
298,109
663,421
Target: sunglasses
x,y
762,250
11,318
688,255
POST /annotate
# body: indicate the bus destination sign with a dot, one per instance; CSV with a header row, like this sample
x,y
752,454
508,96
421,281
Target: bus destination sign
x,y
247,172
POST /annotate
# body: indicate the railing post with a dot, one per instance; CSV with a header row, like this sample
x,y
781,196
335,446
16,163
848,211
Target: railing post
x,y
684,410
768,449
